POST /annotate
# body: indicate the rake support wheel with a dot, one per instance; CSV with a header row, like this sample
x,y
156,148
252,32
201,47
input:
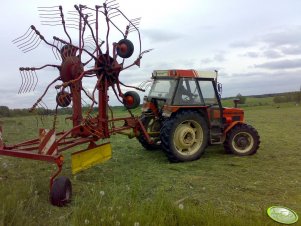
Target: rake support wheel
x,y
131,100
61,191
125,48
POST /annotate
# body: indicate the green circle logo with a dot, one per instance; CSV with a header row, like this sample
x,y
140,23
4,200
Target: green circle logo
x,y
282,214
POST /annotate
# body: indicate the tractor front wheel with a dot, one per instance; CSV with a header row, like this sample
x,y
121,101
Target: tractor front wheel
x,y
242,140
185,136
61,191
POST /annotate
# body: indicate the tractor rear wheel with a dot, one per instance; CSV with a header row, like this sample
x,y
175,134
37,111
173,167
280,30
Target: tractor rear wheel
x,y
242,140
185,136
61,191
152,127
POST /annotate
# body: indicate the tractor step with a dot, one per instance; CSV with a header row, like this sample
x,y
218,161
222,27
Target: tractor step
x,y
216,137
216,142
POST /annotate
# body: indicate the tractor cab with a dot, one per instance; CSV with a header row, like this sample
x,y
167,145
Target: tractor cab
x,y
184,87
183,114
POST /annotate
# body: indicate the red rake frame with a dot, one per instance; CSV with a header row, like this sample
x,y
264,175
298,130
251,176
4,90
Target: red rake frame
x,y
50,145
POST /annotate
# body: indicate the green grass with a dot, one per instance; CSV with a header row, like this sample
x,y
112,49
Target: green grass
x,y
138,187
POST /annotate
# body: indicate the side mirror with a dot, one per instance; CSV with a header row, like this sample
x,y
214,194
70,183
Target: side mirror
x,y
236,102
219,88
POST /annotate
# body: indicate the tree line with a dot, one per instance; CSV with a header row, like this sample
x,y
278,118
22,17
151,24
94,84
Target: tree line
x,y
7,112
288,97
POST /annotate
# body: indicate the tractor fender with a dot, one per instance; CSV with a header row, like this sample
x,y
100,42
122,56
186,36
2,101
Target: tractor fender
x,y
229,128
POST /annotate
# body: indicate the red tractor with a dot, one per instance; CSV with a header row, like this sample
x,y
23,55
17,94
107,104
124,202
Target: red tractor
x,y
183,114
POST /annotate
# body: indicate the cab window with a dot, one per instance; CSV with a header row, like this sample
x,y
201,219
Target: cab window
x,y
188,93
208,92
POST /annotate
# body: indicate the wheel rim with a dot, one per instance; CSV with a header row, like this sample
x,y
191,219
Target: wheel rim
x,y
242,142
188,137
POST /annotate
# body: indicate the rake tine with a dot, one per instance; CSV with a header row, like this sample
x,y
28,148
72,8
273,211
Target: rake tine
x,y
132,30
47,7
37,80
53,25
47,10
29,80
113,6
72,27
26,41
107,3
135,19
50,17
73,19
22,37
53,50
49,14
22,80
26,80
50,21
32,80
29,44
38,43
115,16
135,23
73,13
114,12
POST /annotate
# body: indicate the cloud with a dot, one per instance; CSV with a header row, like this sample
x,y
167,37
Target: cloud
x,y
206,60
158,36
219,57
272,54
251,54
281,64
242,44
288,36
260,82
291,49
276,43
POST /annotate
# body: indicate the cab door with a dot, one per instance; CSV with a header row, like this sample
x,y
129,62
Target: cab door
x,y
214,109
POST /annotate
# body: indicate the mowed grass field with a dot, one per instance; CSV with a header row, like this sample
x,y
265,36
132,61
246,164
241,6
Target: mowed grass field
x,y
138,187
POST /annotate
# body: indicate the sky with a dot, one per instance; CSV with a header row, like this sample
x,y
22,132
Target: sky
x,y
255,45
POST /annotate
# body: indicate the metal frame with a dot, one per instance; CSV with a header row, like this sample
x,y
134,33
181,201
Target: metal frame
x,y
86,129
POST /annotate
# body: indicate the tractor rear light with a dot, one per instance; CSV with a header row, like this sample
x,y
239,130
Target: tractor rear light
x,y
166,112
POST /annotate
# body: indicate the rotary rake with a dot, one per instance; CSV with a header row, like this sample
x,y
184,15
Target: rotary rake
x,y
107,60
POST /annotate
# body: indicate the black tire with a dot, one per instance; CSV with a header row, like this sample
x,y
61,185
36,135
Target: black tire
x,y
192,127
61,191
131,100
151,125
242,140
125,48
63,99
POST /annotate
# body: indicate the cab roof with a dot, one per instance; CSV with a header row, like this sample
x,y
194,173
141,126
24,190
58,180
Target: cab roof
x,y
188,73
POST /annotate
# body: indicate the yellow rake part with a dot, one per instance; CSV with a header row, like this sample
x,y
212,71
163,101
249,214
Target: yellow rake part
x,y
85,159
